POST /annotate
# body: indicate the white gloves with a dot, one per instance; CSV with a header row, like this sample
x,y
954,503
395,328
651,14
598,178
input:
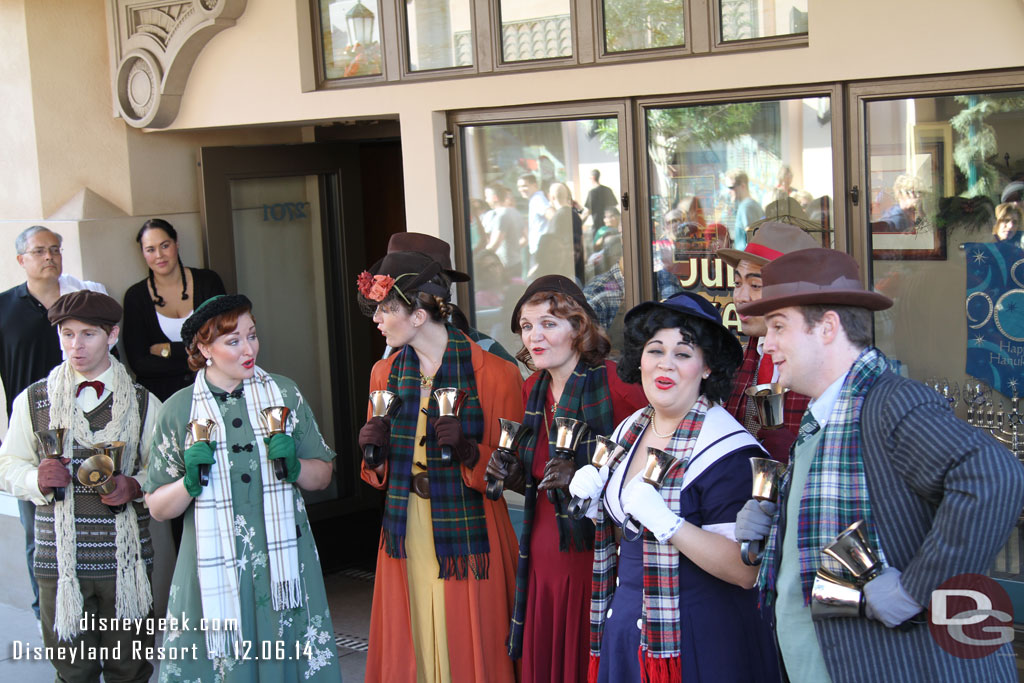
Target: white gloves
x,y
886,601
587,483
645,504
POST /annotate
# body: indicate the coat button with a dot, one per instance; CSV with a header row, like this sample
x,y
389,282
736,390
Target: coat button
x,y
246,478
640,624
609,613
616,582
236,423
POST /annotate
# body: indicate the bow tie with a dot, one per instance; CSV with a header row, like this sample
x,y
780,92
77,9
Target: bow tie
x,y
237,393
95,384
235,448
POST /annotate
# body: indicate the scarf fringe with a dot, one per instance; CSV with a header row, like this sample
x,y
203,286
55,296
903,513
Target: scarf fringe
x,y
69,607
660,669
458,566
287,595
222,642
393,543
592,668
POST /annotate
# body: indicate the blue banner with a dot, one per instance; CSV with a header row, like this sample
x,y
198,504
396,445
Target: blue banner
x,y
995,314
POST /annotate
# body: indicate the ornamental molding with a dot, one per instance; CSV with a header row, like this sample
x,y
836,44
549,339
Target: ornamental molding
x,y
154,45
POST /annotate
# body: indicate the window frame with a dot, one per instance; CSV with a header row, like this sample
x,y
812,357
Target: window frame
x,y
405,70
580,16
692,16
788,40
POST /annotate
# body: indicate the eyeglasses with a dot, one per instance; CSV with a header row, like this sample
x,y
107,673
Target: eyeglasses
x,y
40,252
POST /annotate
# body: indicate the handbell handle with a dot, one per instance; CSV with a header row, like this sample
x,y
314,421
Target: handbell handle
x,y
578,507
495,488
280,469
446,455
631,529
118,509
371,456
204,474
58,493
751,553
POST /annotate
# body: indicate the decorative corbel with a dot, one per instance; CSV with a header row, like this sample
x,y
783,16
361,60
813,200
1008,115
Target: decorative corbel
x,y
156,42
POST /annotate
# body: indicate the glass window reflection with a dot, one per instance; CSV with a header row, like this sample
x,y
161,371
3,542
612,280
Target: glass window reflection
x,y
751,19
631,25
351,38
440,34
535,29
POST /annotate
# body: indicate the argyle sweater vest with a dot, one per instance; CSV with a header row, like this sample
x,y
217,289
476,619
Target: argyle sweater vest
x,y
95,531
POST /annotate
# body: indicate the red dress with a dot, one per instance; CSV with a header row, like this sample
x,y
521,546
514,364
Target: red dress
x,y
556,637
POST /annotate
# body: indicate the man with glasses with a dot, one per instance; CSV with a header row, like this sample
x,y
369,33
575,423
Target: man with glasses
x,y
29,349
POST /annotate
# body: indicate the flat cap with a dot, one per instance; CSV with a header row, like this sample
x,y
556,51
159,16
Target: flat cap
x,y
90,307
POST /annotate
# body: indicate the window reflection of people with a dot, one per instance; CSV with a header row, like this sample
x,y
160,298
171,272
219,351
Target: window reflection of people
x,y
600,198
906,213
1008,223
746,210
536,218
504,227
682,599
559,250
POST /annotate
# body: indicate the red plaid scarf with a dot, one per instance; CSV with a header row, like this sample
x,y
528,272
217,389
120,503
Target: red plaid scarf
x,y
660,646
793,408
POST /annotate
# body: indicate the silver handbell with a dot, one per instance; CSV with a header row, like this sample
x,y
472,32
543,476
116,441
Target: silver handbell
x,y
449,402
568,434
852,550
382,404
605,452
51,445
510,435
833,597
767,474
769,400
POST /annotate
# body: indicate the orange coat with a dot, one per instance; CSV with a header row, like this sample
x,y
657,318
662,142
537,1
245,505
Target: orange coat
x,y
477,612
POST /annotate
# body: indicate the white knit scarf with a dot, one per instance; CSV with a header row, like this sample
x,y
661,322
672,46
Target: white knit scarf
x,y
215,520
133,596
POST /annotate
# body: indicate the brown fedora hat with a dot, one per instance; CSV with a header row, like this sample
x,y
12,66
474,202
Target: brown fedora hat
x,y
772,240
435,248
813,276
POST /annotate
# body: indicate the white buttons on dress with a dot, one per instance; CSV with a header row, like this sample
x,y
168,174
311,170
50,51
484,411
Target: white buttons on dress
x,y
616,582
640,624
609,613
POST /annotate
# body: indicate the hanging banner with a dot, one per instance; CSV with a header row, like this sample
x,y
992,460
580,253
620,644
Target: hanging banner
x,y
995,314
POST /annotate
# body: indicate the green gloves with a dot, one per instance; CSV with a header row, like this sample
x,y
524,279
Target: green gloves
x,y
199,453
283,446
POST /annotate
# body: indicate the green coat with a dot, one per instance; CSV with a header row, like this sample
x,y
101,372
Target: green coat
x,y
292,645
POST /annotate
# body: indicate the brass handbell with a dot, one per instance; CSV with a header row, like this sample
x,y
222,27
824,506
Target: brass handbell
x,y
115,451
449,403
769,400
382,404
202,431
97,473
51,445
655,471
767,474
274,420
605,452
833,597
510,435
852,550
568,434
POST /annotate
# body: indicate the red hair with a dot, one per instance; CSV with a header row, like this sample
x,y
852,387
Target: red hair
x,y
590,341
215,327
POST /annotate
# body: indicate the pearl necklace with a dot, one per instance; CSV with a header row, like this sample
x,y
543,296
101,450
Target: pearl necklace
x,y
654,428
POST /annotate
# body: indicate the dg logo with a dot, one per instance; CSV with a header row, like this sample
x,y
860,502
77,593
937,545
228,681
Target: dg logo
x,y
971,616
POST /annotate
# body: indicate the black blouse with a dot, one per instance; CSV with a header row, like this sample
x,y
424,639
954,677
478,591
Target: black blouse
x,y
162,376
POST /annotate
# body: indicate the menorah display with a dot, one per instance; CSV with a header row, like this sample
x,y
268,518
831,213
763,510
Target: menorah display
x,y
1006,426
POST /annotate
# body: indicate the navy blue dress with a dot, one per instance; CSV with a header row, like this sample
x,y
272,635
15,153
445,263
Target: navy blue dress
x,y
724,636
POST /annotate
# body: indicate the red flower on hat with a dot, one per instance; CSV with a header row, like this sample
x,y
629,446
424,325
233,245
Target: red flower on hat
x,y
374,287
364,282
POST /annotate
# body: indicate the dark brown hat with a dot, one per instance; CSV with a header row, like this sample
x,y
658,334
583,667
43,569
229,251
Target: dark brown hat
x,y
435,248
209,309
552,283
85,305
408,272
772,240
813,276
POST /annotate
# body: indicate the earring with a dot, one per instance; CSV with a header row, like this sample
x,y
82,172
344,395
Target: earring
x,y
209,362
706,375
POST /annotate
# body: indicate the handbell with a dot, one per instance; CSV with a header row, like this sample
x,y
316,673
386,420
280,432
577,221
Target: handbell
x,y
605,452
449,403
51,445
97,473
833,597
769,401
510,435
202,430
382,404
656,469
852,550
767,474
568,434
115,451
274,420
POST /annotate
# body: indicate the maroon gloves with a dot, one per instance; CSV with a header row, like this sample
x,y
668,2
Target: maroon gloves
x,y
127,490
53,473
508,469
448,432
376,432
557,474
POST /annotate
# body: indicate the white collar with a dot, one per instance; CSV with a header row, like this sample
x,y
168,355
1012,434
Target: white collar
x,y
106,376
821,407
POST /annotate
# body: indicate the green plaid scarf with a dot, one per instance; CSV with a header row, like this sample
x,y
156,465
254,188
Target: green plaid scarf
x,y
660,638
836,494
585,397
457,511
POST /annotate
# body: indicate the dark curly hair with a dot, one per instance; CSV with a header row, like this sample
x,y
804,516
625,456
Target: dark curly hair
x,y
721,358
437,309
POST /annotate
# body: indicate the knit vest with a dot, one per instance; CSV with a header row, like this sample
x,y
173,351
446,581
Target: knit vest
x,y
95,531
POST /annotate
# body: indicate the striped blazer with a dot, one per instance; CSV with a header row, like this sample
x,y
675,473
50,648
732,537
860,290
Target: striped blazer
x,y
945,497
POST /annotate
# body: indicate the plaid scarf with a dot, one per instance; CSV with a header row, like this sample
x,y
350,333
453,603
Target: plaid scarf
x,y
215,519
836,494
457,511
660,646
794,404
585,397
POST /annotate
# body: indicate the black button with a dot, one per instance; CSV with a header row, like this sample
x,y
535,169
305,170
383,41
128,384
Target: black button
x,y
237,422
246,478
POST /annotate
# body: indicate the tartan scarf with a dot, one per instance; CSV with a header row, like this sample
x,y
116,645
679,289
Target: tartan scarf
x,y
837,493
660,645
457,511
216,557
585,397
